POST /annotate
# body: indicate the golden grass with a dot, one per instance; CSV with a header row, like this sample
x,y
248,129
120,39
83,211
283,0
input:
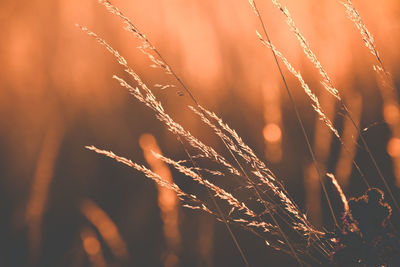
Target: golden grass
x,y
270,213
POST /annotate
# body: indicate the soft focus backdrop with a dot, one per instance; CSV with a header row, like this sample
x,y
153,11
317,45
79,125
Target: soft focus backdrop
x,y
62,205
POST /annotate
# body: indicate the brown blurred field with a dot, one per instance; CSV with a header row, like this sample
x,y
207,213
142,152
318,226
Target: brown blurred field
x,y
62,205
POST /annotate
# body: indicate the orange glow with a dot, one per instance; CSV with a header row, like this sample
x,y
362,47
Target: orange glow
x,y
40,187
106,227
57,95
321,147
272,133
393,147
391,114
92,247
273,121
167,199
344,166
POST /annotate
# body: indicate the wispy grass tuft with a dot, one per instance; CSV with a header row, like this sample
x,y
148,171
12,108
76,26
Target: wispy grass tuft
x,y
268,211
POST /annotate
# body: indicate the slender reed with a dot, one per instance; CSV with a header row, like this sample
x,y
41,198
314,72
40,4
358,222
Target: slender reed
x,y
327,83
161,63
274,52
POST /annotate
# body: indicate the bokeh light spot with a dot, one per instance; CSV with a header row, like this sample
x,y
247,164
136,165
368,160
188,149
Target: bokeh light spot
x,y
393,147
91,245
272,133
391,113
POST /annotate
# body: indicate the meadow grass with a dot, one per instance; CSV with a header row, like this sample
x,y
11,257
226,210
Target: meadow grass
x,y
268,212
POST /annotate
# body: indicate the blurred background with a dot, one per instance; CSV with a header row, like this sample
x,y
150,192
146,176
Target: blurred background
x,y
62,205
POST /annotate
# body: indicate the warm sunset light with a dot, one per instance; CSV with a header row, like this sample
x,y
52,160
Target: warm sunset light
x,y
200,133
391,114
106,227
91,245
272,133
347,154
167,200
393,147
